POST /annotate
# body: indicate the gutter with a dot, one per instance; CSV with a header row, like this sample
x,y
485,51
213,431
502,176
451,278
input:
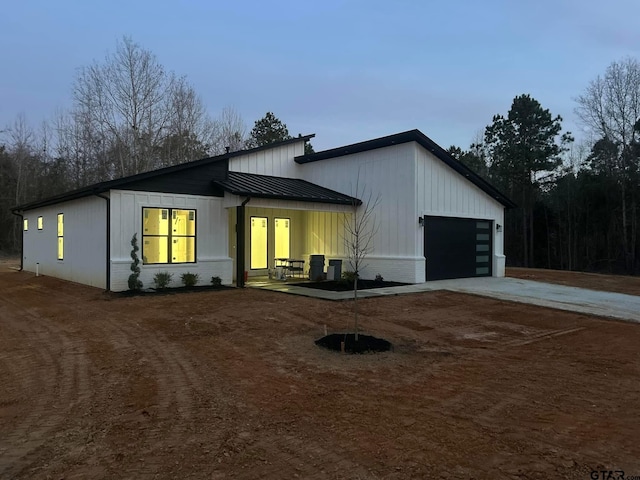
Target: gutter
x,y
21,238
108,242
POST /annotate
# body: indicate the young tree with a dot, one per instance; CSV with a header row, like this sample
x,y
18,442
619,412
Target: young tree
x,y
268,129
522,148
360,227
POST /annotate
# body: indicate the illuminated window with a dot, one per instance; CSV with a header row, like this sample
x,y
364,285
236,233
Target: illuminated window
x,y
168,235
258,242
40,223
282,237
60,236
25,224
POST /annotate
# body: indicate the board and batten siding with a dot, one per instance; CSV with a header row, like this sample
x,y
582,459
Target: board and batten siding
x,y
442,191
314,227
387,173
212,252
85,240
276,161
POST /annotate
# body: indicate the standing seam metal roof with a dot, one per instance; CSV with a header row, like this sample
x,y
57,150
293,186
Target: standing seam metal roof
x,y
265,186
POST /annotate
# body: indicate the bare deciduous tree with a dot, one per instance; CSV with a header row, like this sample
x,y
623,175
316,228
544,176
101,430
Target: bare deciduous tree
x,y
135,116
610,108
230,131
360,228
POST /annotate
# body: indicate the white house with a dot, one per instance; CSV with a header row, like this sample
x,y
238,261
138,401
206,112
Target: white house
x,y
233,215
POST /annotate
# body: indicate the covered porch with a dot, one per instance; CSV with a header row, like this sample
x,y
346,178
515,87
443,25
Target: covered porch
x,y
276,224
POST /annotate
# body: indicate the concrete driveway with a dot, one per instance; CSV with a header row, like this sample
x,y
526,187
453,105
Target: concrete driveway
x,y
593,302
573,299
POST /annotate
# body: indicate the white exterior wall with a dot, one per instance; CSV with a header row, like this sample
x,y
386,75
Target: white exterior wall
x,y
442,191
388,172
85,227
212,253
277,161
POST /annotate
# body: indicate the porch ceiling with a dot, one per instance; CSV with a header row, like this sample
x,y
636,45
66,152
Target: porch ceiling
x,y
281,188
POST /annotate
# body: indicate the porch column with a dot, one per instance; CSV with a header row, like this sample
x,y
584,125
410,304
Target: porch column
x,y
240,253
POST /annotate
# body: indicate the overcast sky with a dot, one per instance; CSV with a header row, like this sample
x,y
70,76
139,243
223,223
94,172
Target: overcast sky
x,y
345,70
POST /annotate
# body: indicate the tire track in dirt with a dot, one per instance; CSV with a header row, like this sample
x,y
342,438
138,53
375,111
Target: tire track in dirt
x,y
54,374
172,416
289,456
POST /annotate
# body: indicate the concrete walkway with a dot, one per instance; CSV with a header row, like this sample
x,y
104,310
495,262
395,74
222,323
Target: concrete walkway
x,y
592,302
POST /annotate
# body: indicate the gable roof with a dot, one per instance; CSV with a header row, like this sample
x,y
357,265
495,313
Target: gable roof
x,y
145,177
265,186
406,137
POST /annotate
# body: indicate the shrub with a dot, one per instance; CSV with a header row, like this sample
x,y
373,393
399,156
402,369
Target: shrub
x,y
134,281
349,276
162,280
189,279
216,281
379,278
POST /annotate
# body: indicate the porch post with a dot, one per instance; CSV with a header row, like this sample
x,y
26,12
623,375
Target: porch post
x,y
240,254
240,234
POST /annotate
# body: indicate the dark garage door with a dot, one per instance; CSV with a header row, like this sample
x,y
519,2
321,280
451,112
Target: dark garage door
x,y
457,247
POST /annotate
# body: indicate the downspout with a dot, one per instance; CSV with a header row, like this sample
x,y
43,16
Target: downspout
x,y
21,238
108,243
240,248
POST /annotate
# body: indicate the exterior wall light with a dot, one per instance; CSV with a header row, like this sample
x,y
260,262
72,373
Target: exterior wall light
x,y
498,227
421,221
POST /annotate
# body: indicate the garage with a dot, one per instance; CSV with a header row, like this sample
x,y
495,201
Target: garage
x,y
457,247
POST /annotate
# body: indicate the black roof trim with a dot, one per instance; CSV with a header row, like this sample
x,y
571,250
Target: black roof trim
x,y
281,188
102,187
424,141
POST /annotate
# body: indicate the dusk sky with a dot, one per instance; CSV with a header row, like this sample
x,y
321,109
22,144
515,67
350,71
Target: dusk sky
x,y
345,70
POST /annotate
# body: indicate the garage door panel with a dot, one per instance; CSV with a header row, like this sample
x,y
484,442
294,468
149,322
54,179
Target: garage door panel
x,y
457,247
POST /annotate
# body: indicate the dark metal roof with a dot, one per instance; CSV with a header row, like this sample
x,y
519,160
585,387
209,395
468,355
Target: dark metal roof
x,y
131,180
264,186
424,141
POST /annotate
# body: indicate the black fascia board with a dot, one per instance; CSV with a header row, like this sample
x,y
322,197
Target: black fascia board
x,y
420,138
107,185
294,198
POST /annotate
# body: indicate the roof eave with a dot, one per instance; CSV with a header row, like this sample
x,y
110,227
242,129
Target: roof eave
x,y
119,182
293,198
406,137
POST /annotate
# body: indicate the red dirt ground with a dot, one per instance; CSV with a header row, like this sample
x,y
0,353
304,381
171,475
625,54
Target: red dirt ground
x,y
593,281
229,384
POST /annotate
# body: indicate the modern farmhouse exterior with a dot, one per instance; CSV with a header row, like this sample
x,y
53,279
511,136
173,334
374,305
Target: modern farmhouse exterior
x,y
239,212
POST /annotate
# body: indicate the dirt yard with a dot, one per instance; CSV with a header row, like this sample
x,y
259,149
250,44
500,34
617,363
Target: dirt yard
x,y
593,281
229,384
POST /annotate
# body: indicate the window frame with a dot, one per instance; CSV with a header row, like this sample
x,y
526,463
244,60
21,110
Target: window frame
x,y
275,239
170,236
267,243
60,236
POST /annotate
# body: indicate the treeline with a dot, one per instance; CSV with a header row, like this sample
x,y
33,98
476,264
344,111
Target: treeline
x,y
128,115
577,205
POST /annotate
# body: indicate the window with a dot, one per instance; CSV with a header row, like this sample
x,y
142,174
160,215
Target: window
x,y
40,223
60,236
168,235
282,237
258,242
25,224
